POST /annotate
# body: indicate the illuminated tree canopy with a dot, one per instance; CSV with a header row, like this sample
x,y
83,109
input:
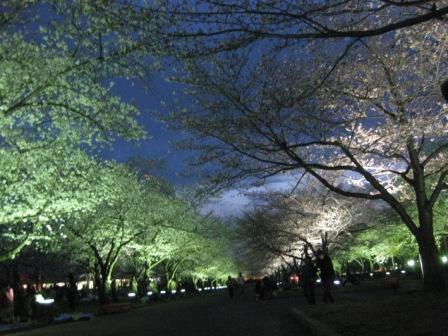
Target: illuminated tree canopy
x,y
374,115
341,98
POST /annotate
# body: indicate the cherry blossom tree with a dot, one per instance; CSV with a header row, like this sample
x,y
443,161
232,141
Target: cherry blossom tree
x,y
205,27
377,118
286,227
56,96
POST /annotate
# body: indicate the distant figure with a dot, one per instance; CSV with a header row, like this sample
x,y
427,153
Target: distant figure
x,y
72,294
307,280
326,273
394,281
268,288
7,305
113,290
351,278
21,306
240,283
30,300
230,286
258,290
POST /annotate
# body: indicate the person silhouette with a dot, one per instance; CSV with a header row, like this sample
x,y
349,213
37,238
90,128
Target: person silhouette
x,y
326,273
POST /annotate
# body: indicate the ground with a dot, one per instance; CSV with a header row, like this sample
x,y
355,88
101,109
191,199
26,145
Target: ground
x,y
374,309
207,315
369,309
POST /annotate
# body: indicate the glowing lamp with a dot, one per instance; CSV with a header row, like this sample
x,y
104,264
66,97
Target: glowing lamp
x,y
41,300
411,263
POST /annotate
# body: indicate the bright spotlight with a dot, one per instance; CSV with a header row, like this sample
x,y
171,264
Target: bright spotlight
x,y
411,263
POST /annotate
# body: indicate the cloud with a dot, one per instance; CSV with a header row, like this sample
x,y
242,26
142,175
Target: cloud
x,y
233,202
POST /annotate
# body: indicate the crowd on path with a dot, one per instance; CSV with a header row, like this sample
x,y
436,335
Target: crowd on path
x,y
21,302
235,285
265,288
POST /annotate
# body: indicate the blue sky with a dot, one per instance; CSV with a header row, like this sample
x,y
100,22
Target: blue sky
x,y
157,145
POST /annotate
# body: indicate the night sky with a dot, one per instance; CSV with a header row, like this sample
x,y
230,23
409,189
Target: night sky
x,y
157,145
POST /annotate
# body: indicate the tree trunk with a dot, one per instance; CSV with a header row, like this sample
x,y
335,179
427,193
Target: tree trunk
x,y
104,288
433,278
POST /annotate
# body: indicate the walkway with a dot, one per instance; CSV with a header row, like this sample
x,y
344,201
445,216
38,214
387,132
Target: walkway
x,y
213,315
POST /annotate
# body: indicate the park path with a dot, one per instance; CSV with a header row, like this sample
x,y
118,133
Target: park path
x,y
213,315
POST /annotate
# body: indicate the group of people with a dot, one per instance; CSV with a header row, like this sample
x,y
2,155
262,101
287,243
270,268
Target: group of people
x,y
17,302
308,276
265,288
235,285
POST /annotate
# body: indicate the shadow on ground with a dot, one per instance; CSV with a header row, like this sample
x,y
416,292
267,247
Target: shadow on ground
x,y
213,315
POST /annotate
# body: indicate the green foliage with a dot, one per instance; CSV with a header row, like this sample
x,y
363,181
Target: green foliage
x,y
40,188
56,96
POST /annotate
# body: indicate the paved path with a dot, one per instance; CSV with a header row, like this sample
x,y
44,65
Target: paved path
x,y
212,315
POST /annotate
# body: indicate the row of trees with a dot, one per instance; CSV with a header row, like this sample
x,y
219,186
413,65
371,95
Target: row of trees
x,y
318,89
59,62
364,237
341,87
131,224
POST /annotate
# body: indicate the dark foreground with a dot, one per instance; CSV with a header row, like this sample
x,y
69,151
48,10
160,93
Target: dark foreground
x,y
213,315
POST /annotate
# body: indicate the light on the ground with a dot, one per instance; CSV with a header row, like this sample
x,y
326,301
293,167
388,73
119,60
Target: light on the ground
x,y
149,293
411,263
182,290
200,289
403,271
162,292
41,300
319,280
131,295
387,273
337,282
173,291
445,259
371,274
